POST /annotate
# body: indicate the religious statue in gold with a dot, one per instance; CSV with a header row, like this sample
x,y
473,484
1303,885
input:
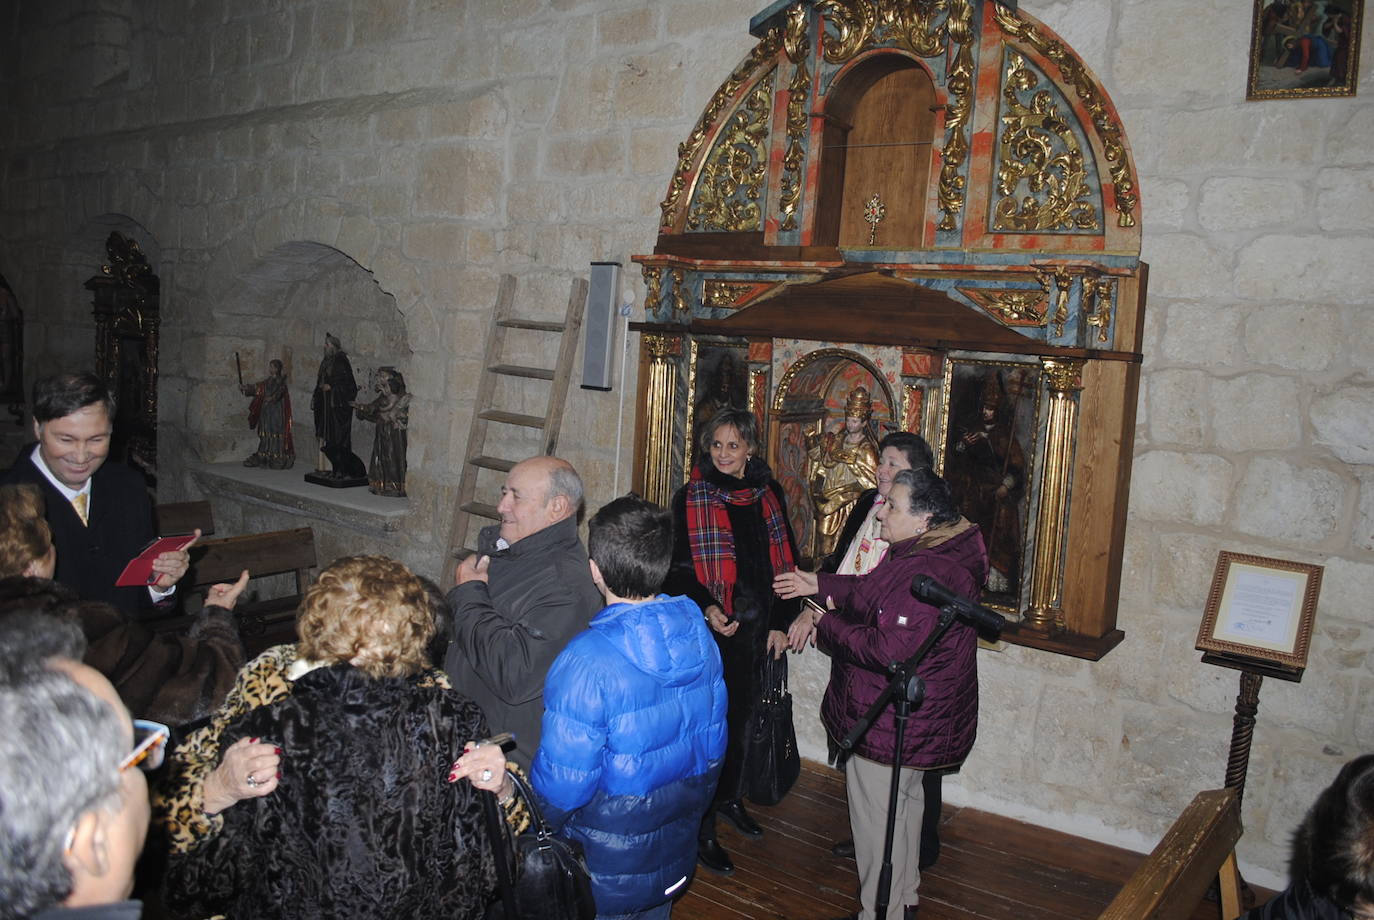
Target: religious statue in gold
x,y
840,466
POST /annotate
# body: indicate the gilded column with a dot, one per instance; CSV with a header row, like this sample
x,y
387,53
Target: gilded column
x,y
663,351
1065,380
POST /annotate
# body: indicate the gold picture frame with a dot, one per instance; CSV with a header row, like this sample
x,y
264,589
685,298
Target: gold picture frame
x,y
1304,48
1261,609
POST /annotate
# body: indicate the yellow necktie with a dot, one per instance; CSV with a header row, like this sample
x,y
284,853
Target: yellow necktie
x,y
79,503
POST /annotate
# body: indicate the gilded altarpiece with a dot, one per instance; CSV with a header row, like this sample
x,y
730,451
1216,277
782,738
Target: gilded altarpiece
x,y
934,200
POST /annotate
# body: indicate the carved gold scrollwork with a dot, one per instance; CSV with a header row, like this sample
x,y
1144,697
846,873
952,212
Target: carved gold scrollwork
x,y
653,282
680,304
1019,307
1065,380
798,46
687,151
859,24
959,84
1039,147
717,292
731,180
1099,293
1057,284
1108,128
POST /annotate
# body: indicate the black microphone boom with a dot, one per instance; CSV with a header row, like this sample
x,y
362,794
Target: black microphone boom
x,y
937,595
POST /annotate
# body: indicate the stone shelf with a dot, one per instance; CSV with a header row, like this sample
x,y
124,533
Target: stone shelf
x,y
287,491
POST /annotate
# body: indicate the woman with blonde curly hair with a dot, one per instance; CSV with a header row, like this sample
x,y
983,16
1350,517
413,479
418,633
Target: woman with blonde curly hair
x,y
333,754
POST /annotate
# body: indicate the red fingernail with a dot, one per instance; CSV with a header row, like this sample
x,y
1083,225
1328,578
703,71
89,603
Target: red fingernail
x,y
252,740
276,750
278,774
453,776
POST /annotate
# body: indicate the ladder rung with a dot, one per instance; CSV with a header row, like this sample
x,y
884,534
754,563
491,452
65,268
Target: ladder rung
x,y
515,370
534,324
482,509
492,463
513,418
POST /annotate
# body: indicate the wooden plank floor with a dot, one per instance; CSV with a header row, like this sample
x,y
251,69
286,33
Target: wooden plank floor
x,y
990,868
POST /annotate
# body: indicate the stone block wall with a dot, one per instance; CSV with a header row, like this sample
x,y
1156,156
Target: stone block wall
x,y
274,157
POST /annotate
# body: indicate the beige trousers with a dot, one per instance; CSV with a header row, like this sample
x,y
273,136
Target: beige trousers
x,y
866,784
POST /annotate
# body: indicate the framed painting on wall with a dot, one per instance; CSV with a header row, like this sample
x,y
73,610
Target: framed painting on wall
x,y
718,379
989,430
1304,48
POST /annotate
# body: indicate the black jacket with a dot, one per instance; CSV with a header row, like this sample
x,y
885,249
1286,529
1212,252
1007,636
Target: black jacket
x,y
508,630
364,822
91,556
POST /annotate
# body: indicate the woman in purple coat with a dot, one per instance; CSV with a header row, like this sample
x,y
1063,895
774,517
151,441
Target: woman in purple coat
x,y
875,620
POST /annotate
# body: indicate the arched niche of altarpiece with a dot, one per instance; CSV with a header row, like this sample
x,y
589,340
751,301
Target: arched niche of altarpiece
x,y
933,199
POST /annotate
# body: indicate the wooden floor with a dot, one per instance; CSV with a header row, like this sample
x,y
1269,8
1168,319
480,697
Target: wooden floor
x,y
989,867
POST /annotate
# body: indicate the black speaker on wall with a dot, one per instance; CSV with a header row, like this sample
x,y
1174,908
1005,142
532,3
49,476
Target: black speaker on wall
x,y
598,358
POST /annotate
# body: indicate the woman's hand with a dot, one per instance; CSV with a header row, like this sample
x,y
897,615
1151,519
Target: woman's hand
x,y
803,629
795,584
720,622
250,767
777,642
226,596
483,765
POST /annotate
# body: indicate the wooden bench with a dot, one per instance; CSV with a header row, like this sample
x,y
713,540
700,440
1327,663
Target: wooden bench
x,y
1199,847
184,517
262,622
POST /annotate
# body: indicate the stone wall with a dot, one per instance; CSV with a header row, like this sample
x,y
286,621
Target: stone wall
x,y
293,165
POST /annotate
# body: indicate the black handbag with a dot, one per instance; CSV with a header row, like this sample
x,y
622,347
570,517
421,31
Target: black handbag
x,y
541,876
772,758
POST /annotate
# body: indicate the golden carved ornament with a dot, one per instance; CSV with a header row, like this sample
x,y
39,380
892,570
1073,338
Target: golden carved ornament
x,y
959,85
679,291
653,282
731,179
794,40
717,292
859,24
662,347
687,151
1018,307
1063,376
1100,292
798,46
1108,128
1038,146
1057,284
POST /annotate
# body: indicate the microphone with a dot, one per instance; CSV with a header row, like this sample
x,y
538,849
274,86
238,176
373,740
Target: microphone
x,y
937,595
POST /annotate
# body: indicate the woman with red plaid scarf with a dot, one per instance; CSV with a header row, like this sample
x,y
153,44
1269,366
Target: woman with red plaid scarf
x,y
731,537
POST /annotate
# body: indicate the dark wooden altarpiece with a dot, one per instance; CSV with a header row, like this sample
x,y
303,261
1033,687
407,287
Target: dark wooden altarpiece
x,y
934,199
127,322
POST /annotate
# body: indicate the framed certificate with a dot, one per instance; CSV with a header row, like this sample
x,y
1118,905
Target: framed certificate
x,y
1261,609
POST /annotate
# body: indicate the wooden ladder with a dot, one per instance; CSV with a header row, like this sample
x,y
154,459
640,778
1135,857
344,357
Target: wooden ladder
x,y
462,536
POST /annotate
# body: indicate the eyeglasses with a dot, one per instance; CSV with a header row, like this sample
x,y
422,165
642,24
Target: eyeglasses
x,y
150,745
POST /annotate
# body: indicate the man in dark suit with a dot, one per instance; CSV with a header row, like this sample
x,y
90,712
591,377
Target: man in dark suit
x,y
99,512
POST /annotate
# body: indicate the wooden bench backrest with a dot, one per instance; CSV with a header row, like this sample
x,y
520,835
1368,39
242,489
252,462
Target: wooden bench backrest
x,y
261,554
1199,846
184,517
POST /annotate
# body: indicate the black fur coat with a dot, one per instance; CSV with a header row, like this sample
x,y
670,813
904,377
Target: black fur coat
x,y
363,823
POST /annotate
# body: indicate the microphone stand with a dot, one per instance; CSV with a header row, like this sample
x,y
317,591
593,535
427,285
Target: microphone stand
x,y
905,690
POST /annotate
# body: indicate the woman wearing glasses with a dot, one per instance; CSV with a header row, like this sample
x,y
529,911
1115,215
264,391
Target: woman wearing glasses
x,y
319,790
